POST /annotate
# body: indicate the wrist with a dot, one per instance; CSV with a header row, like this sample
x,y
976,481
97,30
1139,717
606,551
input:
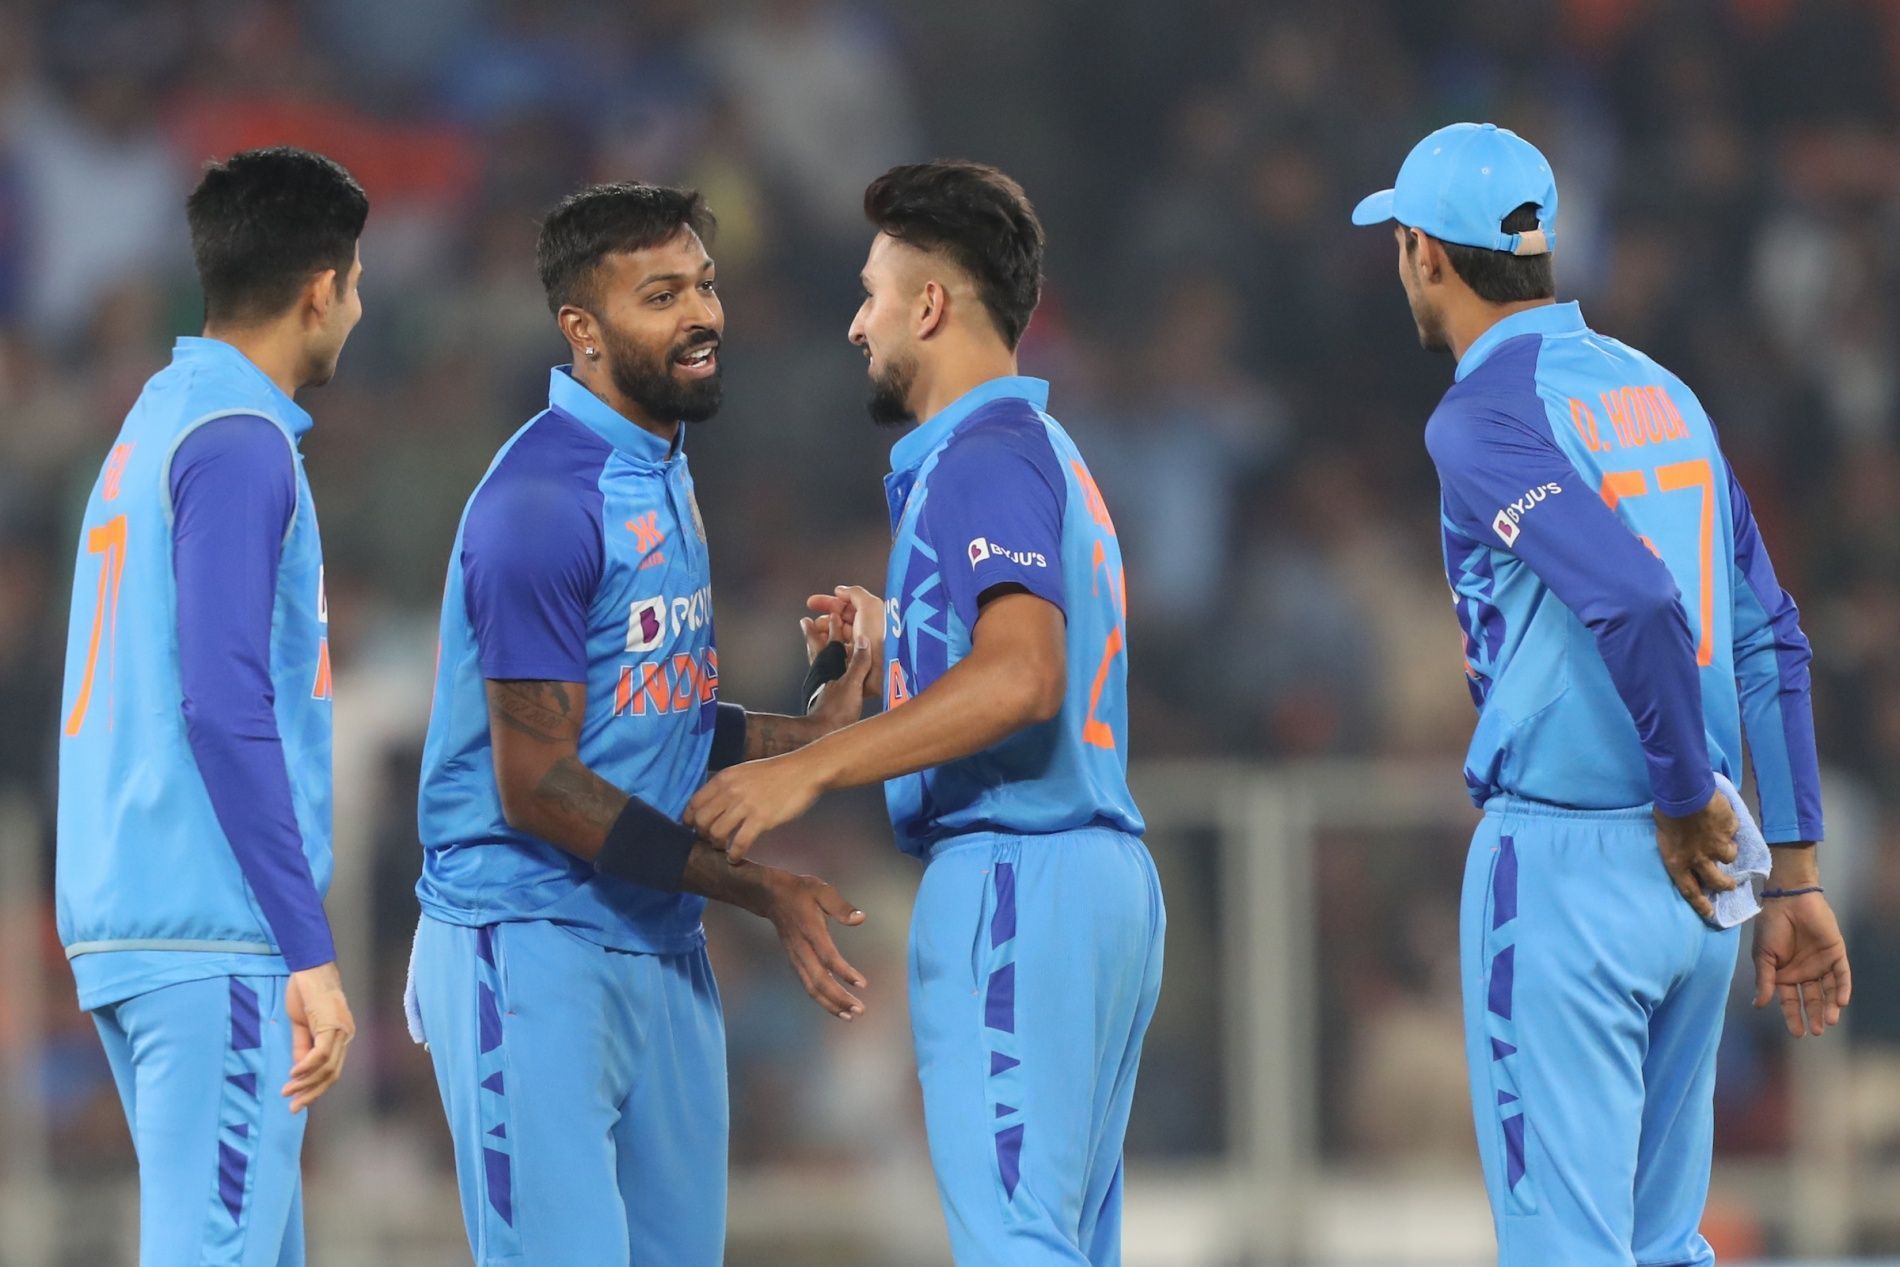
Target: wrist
x,y
1794,867
820,758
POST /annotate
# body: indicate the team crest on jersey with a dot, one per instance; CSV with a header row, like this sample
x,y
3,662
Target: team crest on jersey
x,y
646,624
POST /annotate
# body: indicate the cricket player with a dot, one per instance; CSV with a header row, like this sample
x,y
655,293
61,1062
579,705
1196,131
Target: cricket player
x,y
1036,944
560,969
194,757
1623,630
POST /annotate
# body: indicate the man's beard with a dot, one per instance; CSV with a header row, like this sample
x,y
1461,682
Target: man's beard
x,y
1431,331
890,393
649,383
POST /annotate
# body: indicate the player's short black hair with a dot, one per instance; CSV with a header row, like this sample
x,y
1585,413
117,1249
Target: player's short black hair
x,y
1499,277
980,219
264,221
601,220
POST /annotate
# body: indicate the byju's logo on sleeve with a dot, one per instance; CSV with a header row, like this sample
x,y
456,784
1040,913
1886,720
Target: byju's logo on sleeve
x,y
983,548
646,624
1508,519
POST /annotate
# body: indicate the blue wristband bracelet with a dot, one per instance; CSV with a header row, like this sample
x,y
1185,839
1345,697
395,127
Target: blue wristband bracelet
x,y
1812,888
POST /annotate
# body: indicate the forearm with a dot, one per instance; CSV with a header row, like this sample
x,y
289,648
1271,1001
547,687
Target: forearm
x,y
249,787
976,705
1795,866
570,807
1652,662
774,735
710,874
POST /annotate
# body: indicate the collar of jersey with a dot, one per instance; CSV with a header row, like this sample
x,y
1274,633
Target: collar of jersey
x,y
1543,319
217,351
910,452
567,396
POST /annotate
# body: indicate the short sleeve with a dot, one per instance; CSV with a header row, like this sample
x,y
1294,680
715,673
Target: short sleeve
x,y
994,515
531,564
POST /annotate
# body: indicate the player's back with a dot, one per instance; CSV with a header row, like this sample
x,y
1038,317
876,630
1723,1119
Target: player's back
x,y
143,863
961,528
1552,726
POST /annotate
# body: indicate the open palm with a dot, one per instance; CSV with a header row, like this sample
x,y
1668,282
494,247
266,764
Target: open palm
x,y
1801,956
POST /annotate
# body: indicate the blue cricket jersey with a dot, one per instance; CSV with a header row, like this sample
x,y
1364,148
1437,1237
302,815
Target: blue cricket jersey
x,y
1623,624
194,762
581,557
991,491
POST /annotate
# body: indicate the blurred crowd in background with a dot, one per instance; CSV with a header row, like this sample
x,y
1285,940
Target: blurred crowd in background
x,y
1235,359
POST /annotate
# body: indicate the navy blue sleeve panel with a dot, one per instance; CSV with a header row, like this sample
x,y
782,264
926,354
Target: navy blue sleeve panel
x,y
532,554
1505,479
233,493
994,511
1771,675
728,745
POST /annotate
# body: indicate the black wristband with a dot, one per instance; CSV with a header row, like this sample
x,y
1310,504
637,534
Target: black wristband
x,y
728,745
827,666
646,847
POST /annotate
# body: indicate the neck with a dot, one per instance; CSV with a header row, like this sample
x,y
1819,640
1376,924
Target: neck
x,y
279,357
961,372
1466,327
594,377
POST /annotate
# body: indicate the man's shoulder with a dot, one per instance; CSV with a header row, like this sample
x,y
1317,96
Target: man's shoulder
x,y
547,474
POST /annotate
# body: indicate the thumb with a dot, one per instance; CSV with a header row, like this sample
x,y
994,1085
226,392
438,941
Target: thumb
x,y
859,668
1764,977
835,904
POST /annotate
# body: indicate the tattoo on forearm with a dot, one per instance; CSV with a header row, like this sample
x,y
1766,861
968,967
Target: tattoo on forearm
x,y
539,710
579,797
769,735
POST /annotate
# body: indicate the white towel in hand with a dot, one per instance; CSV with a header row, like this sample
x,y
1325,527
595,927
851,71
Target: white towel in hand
x,y
1750,868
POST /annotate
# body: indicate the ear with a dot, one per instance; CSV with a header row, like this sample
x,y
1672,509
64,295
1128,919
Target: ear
x,y
579,328
319,296
932,309
1432,265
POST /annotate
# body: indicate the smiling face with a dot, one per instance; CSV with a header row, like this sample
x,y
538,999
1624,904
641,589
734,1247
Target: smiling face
x,y
884,328
659,323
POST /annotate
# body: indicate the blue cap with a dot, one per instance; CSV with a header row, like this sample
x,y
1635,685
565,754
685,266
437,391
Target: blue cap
x,y
1459,183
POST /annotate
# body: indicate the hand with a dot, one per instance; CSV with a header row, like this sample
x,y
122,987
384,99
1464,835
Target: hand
x,y
1799,952
1693,849
857,612
841,702
321,1028
743,802
801,908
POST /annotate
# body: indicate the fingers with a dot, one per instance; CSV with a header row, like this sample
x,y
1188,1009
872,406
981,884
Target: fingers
x,y
1726,848
834,961
1692,893
1842,979
1713,878
740,843
1791,1009
820,984
319,1070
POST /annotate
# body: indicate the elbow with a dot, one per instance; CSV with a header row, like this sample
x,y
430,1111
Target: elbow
x,y
517,806
1043,690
